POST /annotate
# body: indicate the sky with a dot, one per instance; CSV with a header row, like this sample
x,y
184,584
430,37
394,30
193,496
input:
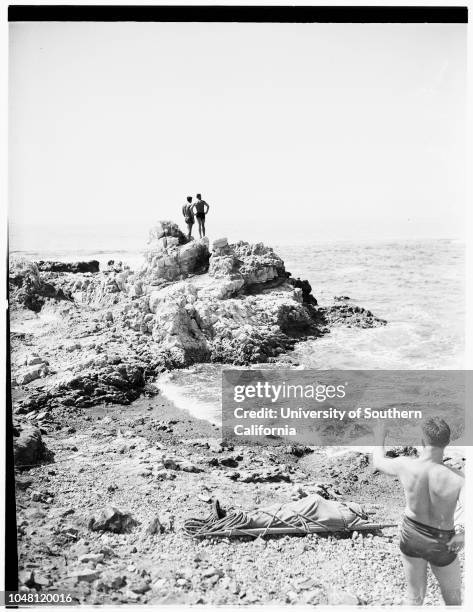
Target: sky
x,y
292,132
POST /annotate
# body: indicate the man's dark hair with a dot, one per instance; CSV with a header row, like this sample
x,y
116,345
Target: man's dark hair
x,y
189,199
198,196
436,432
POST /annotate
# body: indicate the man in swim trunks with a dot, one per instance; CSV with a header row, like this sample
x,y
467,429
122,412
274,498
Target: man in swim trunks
x,y
187,211
201,209
427,533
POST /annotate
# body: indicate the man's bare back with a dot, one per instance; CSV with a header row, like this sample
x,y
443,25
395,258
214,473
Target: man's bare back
x,y
431,490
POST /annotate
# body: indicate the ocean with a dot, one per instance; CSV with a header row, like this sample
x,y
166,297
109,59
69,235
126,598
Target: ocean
x,y
417,286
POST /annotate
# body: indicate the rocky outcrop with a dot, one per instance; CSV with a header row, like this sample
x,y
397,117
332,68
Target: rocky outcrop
x,y
119,384
72,267
243,311
28,289
235,303
347,314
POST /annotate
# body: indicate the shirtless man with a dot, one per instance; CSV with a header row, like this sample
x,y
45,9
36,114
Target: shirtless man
x,y
200,212
427,531
188,216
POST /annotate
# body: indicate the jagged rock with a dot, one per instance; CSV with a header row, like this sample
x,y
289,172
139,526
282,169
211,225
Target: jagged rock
x,y
28,289
350,315
112,519
119,384
154,527
29,448
306,289
169,259
73,267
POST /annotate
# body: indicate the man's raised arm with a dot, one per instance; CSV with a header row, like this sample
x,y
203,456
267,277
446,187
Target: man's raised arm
x,y
388,465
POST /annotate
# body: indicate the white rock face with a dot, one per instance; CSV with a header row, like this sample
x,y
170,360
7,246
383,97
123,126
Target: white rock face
x,y
235,305
168,259
198,318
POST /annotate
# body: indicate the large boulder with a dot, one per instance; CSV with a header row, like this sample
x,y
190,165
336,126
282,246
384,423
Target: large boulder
x,y
29,448
170,256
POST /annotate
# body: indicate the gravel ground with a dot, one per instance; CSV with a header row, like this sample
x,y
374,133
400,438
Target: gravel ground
x,y
110,456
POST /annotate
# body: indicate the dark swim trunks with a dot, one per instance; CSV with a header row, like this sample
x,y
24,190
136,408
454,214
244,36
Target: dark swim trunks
x,y
426,542
200,215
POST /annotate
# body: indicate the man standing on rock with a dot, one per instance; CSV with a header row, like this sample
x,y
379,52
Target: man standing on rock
x,y
187,211
200,212
427,532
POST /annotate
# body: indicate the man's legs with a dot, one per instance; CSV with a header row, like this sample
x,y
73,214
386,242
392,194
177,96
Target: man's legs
x,y
415,570
199,222
203,226
449,579
189,230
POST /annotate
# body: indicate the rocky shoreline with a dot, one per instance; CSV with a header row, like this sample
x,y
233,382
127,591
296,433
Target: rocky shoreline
x,y
107,469
119,328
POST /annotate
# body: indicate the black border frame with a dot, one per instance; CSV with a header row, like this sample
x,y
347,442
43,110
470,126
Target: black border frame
x,y
242,14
